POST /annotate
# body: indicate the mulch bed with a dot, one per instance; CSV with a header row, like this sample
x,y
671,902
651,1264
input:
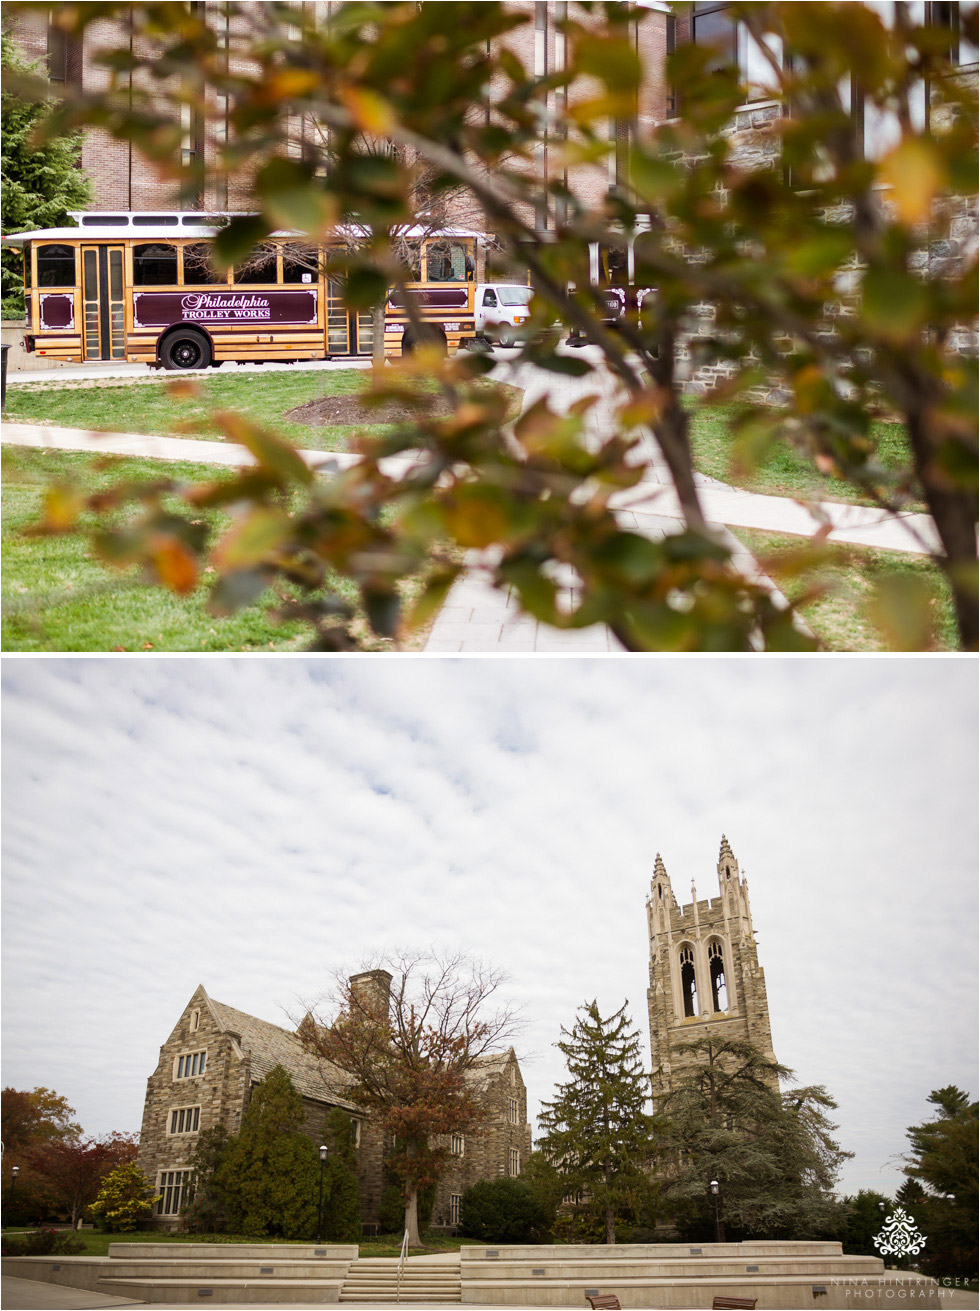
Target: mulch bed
x,y
330,411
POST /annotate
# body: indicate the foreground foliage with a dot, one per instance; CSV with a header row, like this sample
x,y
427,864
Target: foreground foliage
x,y
403,88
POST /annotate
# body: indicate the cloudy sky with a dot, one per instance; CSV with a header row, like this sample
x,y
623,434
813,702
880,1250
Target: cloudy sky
x,y
254,824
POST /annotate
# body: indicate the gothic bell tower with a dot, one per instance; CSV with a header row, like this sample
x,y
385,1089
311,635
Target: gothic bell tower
x,y
705,977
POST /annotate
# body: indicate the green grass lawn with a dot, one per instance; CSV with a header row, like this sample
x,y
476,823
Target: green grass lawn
x,y
785,471
57,597
155,409
841,618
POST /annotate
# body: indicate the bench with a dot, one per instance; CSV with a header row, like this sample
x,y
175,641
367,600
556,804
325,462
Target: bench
x,y
606,1301
733,1304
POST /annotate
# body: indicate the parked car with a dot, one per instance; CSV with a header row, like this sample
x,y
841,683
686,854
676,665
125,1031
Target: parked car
x,y
501,309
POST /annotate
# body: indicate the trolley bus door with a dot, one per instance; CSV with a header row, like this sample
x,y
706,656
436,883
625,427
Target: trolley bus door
x,y
104,317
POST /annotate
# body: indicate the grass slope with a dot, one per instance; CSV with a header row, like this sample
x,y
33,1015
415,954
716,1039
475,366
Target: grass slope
x,y
841,618
154,409
57,597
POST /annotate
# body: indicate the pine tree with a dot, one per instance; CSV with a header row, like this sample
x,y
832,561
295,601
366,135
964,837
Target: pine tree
x,y
42,180
598,1129
772,1152
943,1162
269,1178
342,1213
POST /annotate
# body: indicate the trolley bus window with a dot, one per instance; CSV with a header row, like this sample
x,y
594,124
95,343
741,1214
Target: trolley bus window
x,y
449,261
197,267
155,265
300,264
613,265
410,255
259,267
55,266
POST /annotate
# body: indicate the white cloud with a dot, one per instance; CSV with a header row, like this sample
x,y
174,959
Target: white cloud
x,y
252,824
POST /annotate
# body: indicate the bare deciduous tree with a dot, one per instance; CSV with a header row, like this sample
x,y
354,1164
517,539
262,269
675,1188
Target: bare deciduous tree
x,y
407,1037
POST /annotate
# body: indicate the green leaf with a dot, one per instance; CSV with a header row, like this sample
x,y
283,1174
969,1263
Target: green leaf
x,y
895,304
236,240
234,590
253,539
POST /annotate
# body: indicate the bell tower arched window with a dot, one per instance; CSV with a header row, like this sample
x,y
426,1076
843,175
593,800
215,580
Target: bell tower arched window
x,y
689,986
716,967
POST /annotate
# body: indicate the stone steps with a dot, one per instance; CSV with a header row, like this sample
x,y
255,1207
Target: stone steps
x,y
375,1279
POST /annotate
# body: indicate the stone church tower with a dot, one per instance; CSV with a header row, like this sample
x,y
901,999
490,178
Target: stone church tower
x,y
705,978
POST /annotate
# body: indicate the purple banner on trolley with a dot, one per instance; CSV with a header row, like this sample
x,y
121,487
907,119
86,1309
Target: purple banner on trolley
x,y
158,309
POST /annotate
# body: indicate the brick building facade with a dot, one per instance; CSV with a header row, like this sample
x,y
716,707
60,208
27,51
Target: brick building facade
x,y
705,977
215,1056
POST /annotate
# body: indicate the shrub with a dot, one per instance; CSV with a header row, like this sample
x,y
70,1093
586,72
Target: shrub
x,y
391,1211
43,1242
124,1202
502,1211
342,1206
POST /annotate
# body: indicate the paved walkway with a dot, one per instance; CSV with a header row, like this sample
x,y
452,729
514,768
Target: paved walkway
x,y
477,616
72,375
33,1295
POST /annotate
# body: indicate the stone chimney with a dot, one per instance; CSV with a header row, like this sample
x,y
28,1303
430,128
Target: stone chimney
x,y
371,991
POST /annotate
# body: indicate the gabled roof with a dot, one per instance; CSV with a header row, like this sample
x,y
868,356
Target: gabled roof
x,y
269,1045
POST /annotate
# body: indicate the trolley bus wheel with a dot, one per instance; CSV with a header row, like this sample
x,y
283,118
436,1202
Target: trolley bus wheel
x,y
410,345
186,350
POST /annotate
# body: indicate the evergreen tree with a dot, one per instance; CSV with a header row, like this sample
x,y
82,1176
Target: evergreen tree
x,y
269,1178
205,1212
943,1162
342,1213
773,1153
598,1130
41,180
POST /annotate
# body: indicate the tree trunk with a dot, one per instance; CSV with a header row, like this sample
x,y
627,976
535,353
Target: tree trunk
x,y
378,338
610,1212
412,1215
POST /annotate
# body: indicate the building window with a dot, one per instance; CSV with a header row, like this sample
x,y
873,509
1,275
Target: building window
x,y
716,966
514,1163
174,1187
454,1201
457,1144
195,1020
689,987
191,1065
732,46
57,53
185,1119
514,1110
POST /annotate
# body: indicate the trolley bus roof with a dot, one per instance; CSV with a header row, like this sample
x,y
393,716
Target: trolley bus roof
x,y
172,224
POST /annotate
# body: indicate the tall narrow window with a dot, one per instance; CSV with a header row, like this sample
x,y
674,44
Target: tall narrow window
x,y
689,986
716,966
671,105
57,54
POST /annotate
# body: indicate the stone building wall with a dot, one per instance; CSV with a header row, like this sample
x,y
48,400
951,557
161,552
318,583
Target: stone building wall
x,y
240,1052
486,1152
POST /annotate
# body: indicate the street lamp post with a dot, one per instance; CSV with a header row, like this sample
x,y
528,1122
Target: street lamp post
x,y
719,1227
319,1209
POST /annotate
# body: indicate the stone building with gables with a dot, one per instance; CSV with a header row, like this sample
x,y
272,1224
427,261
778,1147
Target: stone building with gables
x,y
216,1054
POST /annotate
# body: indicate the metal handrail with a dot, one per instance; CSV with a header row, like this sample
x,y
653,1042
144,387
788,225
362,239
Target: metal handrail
x,y
401,1263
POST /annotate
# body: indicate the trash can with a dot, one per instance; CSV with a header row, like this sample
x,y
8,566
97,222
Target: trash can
x,y
3,376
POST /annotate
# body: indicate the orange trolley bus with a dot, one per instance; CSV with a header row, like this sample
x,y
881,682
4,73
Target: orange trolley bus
x,y
138,287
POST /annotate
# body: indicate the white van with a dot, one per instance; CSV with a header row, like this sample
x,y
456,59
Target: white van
x,y
501,310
